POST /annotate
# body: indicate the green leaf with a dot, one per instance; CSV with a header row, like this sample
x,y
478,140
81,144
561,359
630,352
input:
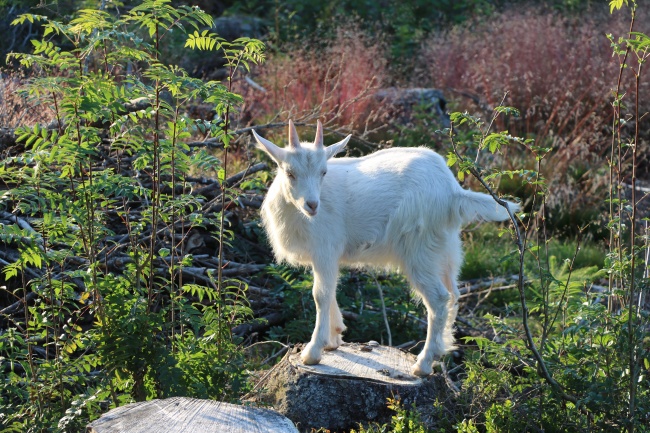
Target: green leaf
x,y
616,4
507,110
451,159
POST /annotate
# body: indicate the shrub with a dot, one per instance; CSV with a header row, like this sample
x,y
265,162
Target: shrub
x,y
404,22
96,219
333,80
558,71
576,355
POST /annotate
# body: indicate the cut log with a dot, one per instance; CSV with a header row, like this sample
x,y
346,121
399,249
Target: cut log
x,y
189,415
350,386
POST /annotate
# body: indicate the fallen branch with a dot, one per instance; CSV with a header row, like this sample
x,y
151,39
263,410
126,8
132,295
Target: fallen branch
x,y
19,305
259,324
466,288
231,181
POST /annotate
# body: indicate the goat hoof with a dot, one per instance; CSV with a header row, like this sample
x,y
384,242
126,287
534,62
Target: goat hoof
x,y
310,356
334,343
421,370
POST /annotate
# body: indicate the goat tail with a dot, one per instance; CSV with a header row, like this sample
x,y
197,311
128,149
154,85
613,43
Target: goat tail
x,y
473,206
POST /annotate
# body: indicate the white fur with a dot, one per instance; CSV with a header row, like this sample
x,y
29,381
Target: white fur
x,y
400,208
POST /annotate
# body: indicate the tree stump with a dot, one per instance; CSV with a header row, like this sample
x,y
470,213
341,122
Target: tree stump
x,y
189,415
350,386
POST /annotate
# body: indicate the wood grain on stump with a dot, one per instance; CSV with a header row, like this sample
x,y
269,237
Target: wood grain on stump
x,y
189,415
351,385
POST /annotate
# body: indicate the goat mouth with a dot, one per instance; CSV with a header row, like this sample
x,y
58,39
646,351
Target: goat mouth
x,y
311,213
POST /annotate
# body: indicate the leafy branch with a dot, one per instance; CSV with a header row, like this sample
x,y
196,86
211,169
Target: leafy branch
x,y
102,215
493,141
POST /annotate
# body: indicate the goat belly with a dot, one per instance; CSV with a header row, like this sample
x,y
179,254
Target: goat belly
x,y
355,251
369,254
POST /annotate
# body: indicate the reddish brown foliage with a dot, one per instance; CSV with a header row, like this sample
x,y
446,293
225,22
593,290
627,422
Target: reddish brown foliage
x,y
335,83
560,73
557,71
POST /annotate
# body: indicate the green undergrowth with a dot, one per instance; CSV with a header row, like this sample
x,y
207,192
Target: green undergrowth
x,y
490,252
359,299
488,255
97,265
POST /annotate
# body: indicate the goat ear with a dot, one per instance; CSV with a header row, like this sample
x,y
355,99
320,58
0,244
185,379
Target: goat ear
x,y
294,140
275,152
335,148
318,140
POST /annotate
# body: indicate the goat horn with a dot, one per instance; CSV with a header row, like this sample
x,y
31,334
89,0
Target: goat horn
x,y
318,141
294,140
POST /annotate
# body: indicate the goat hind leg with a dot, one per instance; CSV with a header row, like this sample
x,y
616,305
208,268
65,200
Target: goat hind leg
x,y
436,299
336,326
452,307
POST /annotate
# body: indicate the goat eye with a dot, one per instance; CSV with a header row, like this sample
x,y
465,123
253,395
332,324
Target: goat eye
x,y
324,173
291,175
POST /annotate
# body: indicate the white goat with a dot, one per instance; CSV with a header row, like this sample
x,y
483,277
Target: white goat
x,y
400,208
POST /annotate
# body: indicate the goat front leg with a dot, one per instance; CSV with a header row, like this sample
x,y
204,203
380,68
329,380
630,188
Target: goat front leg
x,y
324,292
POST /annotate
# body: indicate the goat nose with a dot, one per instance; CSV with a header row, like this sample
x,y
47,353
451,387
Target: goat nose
x,y
312,205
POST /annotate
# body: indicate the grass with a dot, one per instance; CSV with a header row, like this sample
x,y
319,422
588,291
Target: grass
x,y
489,252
